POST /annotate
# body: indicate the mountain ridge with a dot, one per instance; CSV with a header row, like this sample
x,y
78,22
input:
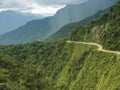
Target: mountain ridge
x,y
66,29
58,65
10,20
104,30
41,29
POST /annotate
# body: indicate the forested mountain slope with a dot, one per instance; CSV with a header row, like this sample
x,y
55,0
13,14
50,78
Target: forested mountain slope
x,y
64,32
41,29
105,30
58,66
66,66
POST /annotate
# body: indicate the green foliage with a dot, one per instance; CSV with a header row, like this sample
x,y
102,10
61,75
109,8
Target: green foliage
x,y
66,66
64,32
105,30
57,66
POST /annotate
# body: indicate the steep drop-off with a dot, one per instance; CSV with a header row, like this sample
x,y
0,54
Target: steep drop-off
x,y
66,66
105,30
64,32
58,66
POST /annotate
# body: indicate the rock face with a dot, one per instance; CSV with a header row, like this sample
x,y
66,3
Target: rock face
x,y
41,29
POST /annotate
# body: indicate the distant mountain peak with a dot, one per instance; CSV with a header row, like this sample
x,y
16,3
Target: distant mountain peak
x,y
10,20
42,29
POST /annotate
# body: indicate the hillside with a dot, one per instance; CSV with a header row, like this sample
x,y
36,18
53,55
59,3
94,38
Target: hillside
x,y
11,20
88,61
58,66
41,29
105,30
64,32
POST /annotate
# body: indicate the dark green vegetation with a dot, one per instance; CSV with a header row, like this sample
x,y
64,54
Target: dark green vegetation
x,y
105,30
66,66
58,66
64,32
42,29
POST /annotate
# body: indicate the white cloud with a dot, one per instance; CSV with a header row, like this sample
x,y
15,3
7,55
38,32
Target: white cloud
x,y
44,10
44,7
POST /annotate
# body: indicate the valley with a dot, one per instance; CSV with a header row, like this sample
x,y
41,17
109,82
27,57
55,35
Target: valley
x,y
41,29
65,54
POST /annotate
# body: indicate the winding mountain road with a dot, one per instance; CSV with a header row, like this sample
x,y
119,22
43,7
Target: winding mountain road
x,y
100,47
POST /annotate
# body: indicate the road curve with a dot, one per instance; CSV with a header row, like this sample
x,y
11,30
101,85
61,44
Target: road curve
x,y
100,47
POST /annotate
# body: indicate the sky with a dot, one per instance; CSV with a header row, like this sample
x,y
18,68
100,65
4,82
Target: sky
x,y
43,7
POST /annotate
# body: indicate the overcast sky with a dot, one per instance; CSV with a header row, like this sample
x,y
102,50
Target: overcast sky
x,y
43,7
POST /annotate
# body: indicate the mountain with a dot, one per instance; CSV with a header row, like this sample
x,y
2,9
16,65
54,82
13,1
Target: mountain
x,y
60,65
41,29
10,20
64,32
105,30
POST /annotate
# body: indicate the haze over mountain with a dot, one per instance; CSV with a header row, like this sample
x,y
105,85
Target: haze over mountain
x,y
66,29
41,29
88,60
10,20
